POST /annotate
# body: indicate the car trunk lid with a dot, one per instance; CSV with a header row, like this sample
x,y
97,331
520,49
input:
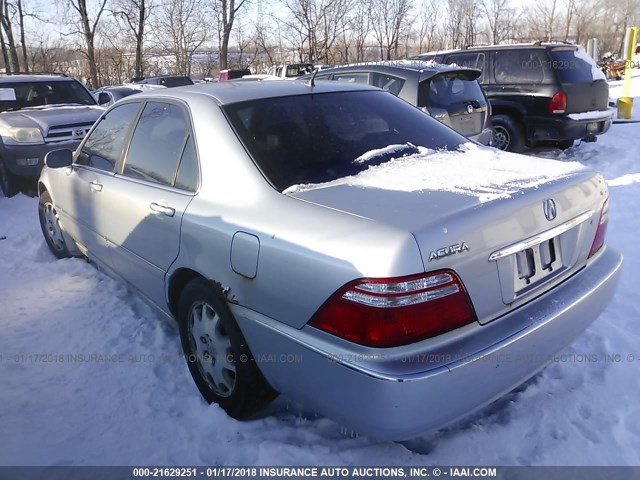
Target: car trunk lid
x,y
481,216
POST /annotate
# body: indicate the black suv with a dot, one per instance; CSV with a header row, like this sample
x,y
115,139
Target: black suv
x,y
39,113
450,94
540,93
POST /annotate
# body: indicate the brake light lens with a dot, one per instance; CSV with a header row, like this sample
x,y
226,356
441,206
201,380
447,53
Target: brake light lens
x,y
558,103
396,311
601,232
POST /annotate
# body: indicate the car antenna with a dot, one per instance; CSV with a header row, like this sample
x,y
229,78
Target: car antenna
x,y
312,81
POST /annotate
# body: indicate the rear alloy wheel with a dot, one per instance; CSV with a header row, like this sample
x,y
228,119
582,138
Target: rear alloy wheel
x,y
217,353
8,181
51,228
507,134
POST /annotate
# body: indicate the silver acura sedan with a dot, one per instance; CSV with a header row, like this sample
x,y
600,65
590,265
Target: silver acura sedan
x,y
335,244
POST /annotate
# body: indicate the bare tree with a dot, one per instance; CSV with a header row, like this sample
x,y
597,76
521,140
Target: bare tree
x,y
388,19
7,15
23,42
429,36
181,27
542,19
360,25
317,23
80,16
501,18
135,15
227,10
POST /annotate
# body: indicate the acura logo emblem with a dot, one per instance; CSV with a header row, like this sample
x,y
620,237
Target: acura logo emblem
x,y
549,207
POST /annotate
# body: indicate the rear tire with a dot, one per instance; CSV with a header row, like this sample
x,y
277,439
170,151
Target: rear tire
x,y
507,134
51,228
564,144
8,181
217,353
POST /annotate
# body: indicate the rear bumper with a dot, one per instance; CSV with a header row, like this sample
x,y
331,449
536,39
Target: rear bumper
x,y
550,128
377,394
484,137
12,153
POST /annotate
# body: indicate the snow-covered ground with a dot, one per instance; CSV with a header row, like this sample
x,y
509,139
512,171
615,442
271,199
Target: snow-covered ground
x,y
616,90
134,402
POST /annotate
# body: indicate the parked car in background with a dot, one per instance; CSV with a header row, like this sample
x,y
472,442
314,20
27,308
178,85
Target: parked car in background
x,y
224,75
540,93
290,70
449,94
39,113
168,81
107,96
399,275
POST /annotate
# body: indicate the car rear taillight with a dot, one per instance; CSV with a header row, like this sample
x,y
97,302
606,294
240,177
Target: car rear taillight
x,y
558,103
598,241
396,311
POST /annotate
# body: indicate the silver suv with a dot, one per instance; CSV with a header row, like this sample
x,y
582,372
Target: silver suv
x,y
39,113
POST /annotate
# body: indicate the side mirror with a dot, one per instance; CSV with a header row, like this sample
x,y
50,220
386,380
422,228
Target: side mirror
x,y
59,158
103,98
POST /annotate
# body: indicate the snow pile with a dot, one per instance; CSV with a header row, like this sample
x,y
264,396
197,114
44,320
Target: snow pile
x,y
477,171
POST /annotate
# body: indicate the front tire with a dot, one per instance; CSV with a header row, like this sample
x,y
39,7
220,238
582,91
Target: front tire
x,y
507,134
217,353
8,181
51,228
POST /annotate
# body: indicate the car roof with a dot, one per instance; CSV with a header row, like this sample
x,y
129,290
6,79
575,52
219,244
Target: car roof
x,y
422,69
508,46
225,93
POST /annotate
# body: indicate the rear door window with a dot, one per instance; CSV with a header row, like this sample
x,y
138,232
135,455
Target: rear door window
x,y
103,147
188,175
354,77
157,143
387,82
522,67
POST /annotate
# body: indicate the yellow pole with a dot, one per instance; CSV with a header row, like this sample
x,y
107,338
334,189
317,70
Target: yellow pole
x,y
629,60
625,103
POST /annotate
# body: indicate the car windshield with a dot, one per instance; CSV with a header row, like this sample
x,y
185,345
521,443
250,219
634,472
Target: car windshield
x,y
18,95
450,90
319,138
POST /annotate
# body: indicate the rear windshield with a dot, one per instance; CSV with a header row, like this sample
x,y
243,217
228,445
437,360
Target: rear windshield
x,y
575,66
17,95
450,90
319,138
298,69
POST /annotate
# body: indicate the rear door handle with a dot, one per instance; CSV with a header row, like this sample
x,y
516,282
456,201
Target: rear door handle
x,y
168,211
95,186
